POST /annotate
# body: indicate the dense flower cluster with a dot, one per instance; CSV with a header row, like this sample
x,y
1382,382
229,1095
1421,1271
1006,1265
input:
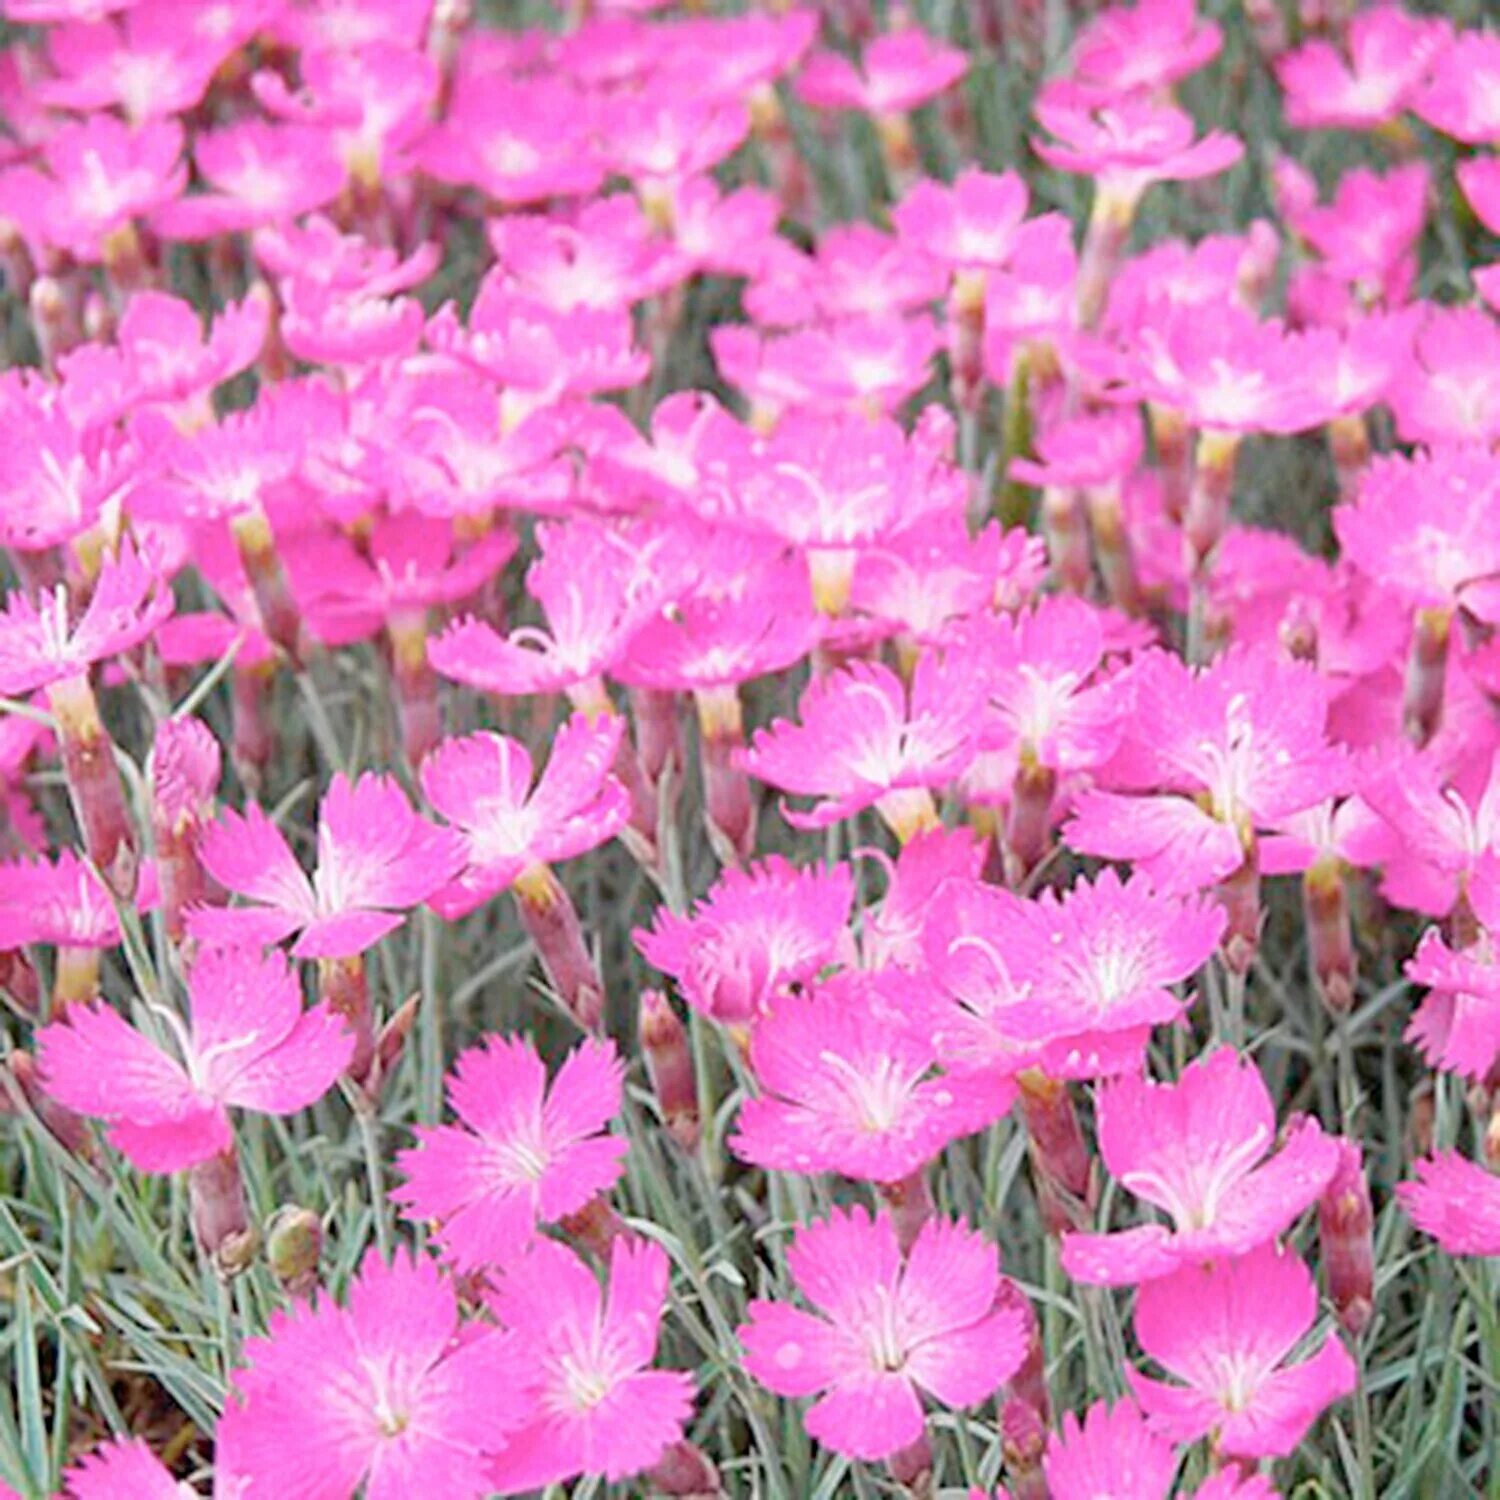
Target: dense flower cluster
x,y
934,683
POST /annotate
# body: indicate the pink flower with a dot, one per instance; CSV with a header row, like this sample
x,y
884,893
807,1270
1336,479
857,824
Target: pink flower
x,y
122,1469
379,1393
1228,373
1111,1452
161,356
1197,1149
968,226
1451,392
1048,704
1226,1330
848,1085
587,627
1424,528
1457,1202
1230,748
61,902
854,271
757,935
250,1045
1367,236
1462,96
41,643
597,1406
405,564
538,353
151,71
1093,967
377,858
1126,144
58,478
1386,58
529,143
259,173
602,256
527,1153
483,785
897,72
1143,48
863,741
886,1329
101,175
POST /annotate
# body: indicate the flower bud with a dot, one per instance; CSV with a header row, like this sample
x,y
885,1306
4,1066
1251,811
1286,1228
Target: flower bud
x,y
98,796
1330,941
911,1467
669,1064
1426,674
221,1222
551,921
294,1245
910,1204
1023,1438
1346,1234
185,766
343,983
596,1226
1059,1155
684,1472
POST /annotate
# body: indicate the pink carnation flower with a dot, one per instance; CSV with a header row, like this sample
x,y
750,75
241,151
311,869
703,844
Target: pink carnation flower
x,y
250,1045
1224,750
379,1393
1111,1452
122,1469
1143,48
1386,57
509,820
1197,1149
848,1085
377,858
100,176
1457,1202
757,935
886,1329
60,901
258,173
1462,96
897,72
863,741
1450,392
161,356
527,1153
596,1405
43,643
968,226
1226,1329
1126,144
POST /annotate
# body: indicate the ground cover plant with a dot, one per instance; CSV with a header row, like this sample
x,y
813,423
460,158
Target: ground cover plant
x,y
749,751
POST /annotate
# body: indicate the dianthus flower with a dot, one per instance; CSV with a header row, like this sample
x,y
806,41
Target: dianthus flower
x,y
1457,1202
1386,57
380,1392
886,1329
1226,1330
864,741
377,858
756,936
527,1152
849,1084
513,831
585,1356
1197,1149
249,1045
